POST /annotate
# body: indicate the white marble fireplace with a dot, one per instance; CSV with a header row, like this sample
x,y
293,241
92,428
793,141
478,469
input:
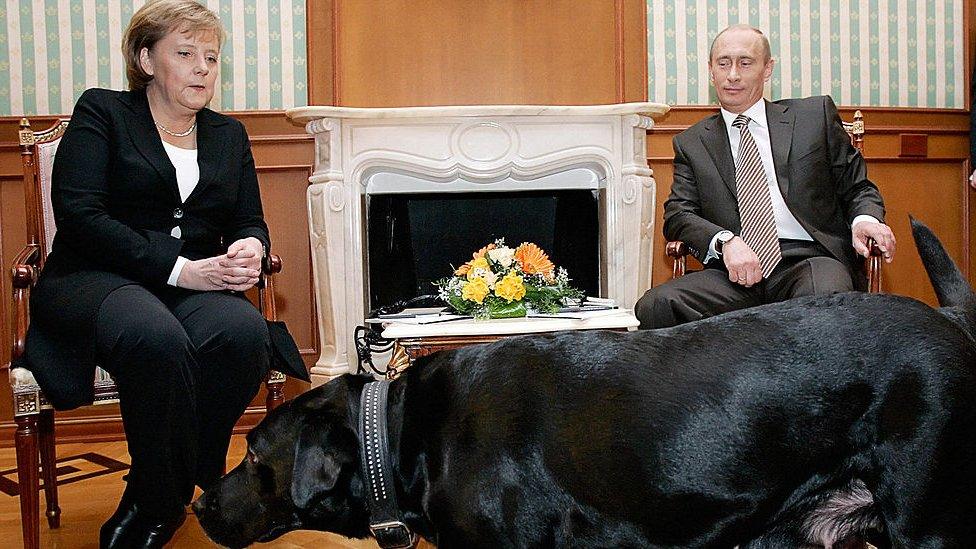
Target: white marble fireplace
x,y
361,151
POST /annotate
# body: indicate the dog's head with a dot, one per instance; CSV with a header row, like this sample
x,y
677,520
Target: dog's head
x,y
301,472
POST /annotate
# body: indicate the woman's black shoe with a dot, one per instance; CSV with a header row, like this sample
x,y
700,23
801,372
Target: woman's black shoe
x,y
112,533
151,532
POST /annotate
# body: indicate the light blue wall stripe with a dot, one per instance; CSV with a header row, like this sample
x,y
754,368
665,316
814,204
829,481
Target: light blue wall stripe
x,y
796,85
77,49
950,78
672,64
4,61
912,53
875,69
854,58
893,65
53,60
651,58
226,57
274,53
835,84
250,55
776,80
101,34
27,44
691,42
815,59
300,66
712,23
930,63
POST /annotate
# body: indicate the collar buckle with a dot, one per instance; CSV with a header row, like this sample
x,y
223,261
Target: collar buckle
x,y
393,535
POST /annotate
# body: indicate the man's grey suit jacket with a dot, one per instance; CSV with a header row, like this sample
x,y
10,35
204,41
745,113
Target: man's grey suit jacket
x,y
821,175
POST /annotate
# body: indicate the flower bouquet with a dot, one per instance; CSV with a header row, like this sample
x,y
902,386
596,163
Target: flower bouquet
x,y
503,282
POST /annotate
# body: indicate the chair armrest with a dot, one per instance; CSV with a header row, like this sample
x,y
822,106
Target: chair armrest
x,y
266,300
677,251
23,275
25,266
271,265
874,261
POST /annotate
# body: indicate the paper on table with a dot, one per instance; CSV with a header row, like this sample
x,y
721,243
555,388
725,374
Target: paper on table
x,y
412,312
419,319
580,315
600,301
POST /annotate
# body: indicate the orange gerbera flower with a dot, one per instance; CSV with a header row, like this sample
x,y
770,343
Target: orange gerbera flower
x,y
463,269
533,260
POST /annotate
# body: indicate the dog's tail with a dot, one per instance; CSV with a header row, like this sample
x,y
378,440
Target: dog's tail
x,y
951,287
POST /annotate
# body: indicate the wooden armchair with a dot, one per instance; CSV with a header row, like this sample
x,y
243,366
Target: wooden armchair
x,y
33,414
678,250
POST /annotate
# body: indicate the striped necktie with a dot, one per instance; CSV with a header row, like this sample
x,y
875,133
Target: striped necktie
x,y
755,206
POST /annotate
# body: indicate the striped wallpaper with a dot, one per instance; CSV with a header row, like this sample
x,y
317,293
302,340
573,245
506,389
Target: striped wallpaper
x,y
52,50
906,53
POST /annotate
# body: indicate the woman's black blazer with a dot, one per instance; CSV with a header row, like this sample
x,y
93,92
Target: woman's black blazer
x,y
116,201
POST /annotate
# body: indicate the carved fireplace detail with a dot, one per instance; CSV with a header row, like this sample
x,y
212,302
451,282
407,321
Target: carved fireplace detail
x,y
359,151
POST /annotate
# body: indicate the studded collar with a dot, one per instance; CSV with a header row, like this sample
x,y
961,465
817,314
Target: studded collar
x,y
385,519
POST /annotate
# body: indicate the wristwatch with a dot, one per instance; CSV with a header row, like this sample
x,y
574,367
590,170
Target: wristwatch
x,y
721,238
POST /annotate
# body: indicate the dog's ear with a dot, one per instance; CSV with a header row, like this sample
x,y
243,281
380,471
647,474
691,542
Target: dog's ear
x,y
316,469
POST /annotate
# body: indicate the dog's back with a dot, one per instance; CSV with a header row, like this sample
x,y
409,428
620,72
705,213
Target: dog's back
x,y
790,419
687,436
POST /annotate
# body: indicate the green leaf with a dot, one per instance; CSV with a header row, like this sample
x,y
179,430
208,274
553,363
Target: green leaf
x,y
514,309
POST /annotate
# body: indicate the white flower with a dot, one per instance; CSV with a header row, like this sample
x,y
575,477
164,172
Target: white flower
x,y
502,256
489,277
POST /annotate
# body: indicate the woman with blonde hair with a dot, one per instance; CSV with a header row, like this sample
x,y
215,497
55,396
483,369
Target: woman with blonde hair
x,y
159,229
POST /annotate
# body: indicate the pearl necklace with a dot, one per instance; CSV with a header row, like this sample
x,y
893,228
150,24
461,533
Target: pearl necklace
x,y
177,134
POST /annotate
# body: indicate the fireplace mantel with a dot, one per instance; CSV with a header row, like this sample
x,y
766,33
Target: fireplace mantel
x,y
505,146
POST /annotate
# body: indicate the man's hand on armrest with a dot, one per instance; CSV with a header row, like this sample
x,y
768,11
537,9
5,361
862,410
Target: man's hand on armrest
x,y
881,233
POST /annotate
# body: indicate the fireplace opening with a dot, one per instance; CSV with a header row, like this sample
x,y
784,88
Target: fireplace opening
x,y
414,239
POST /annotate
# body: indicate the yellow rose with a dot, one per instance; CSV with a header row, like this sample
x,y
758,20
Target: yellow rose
x,y
474,266
475,290
510,288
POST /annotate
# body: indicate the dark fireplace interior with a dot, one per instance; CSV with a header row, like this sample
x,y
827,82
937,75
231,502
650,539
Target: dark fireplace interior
x,y
414,239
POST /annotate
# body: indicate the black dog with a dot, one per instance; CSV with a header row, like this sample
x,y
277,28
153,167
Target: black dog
x,y
798,424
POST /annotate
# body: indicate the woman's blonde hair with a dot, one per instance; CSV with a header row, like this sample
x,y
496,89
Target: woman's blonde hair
x,y
155,20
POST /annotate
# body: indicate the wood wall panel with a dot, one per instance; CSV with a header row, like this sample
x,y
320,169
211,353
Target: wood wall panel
x,y
431,52
932,188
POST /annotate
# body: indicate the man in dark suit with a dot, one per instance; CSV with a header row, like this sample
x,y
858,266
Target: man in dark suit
x,y
770,196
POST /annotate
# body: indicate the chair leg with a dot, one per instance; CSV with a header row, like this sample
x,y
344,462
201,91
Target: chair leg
x,y
276,393
49,468
26,441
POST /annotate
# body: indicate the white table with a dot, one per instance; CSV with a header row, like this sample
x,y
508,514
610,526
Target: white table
x,y
416,340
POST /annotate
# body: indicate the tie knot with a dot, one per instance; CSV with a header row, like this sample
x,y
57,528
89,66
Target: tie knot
x,y
741,121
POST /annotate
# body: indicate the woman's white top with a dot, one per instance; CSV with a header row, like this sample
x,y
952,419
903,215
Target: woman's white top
x,y
187,177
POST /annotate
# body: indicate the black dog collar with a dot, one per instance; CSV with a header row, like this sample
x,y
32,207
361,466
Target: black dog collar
x,y
385,519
